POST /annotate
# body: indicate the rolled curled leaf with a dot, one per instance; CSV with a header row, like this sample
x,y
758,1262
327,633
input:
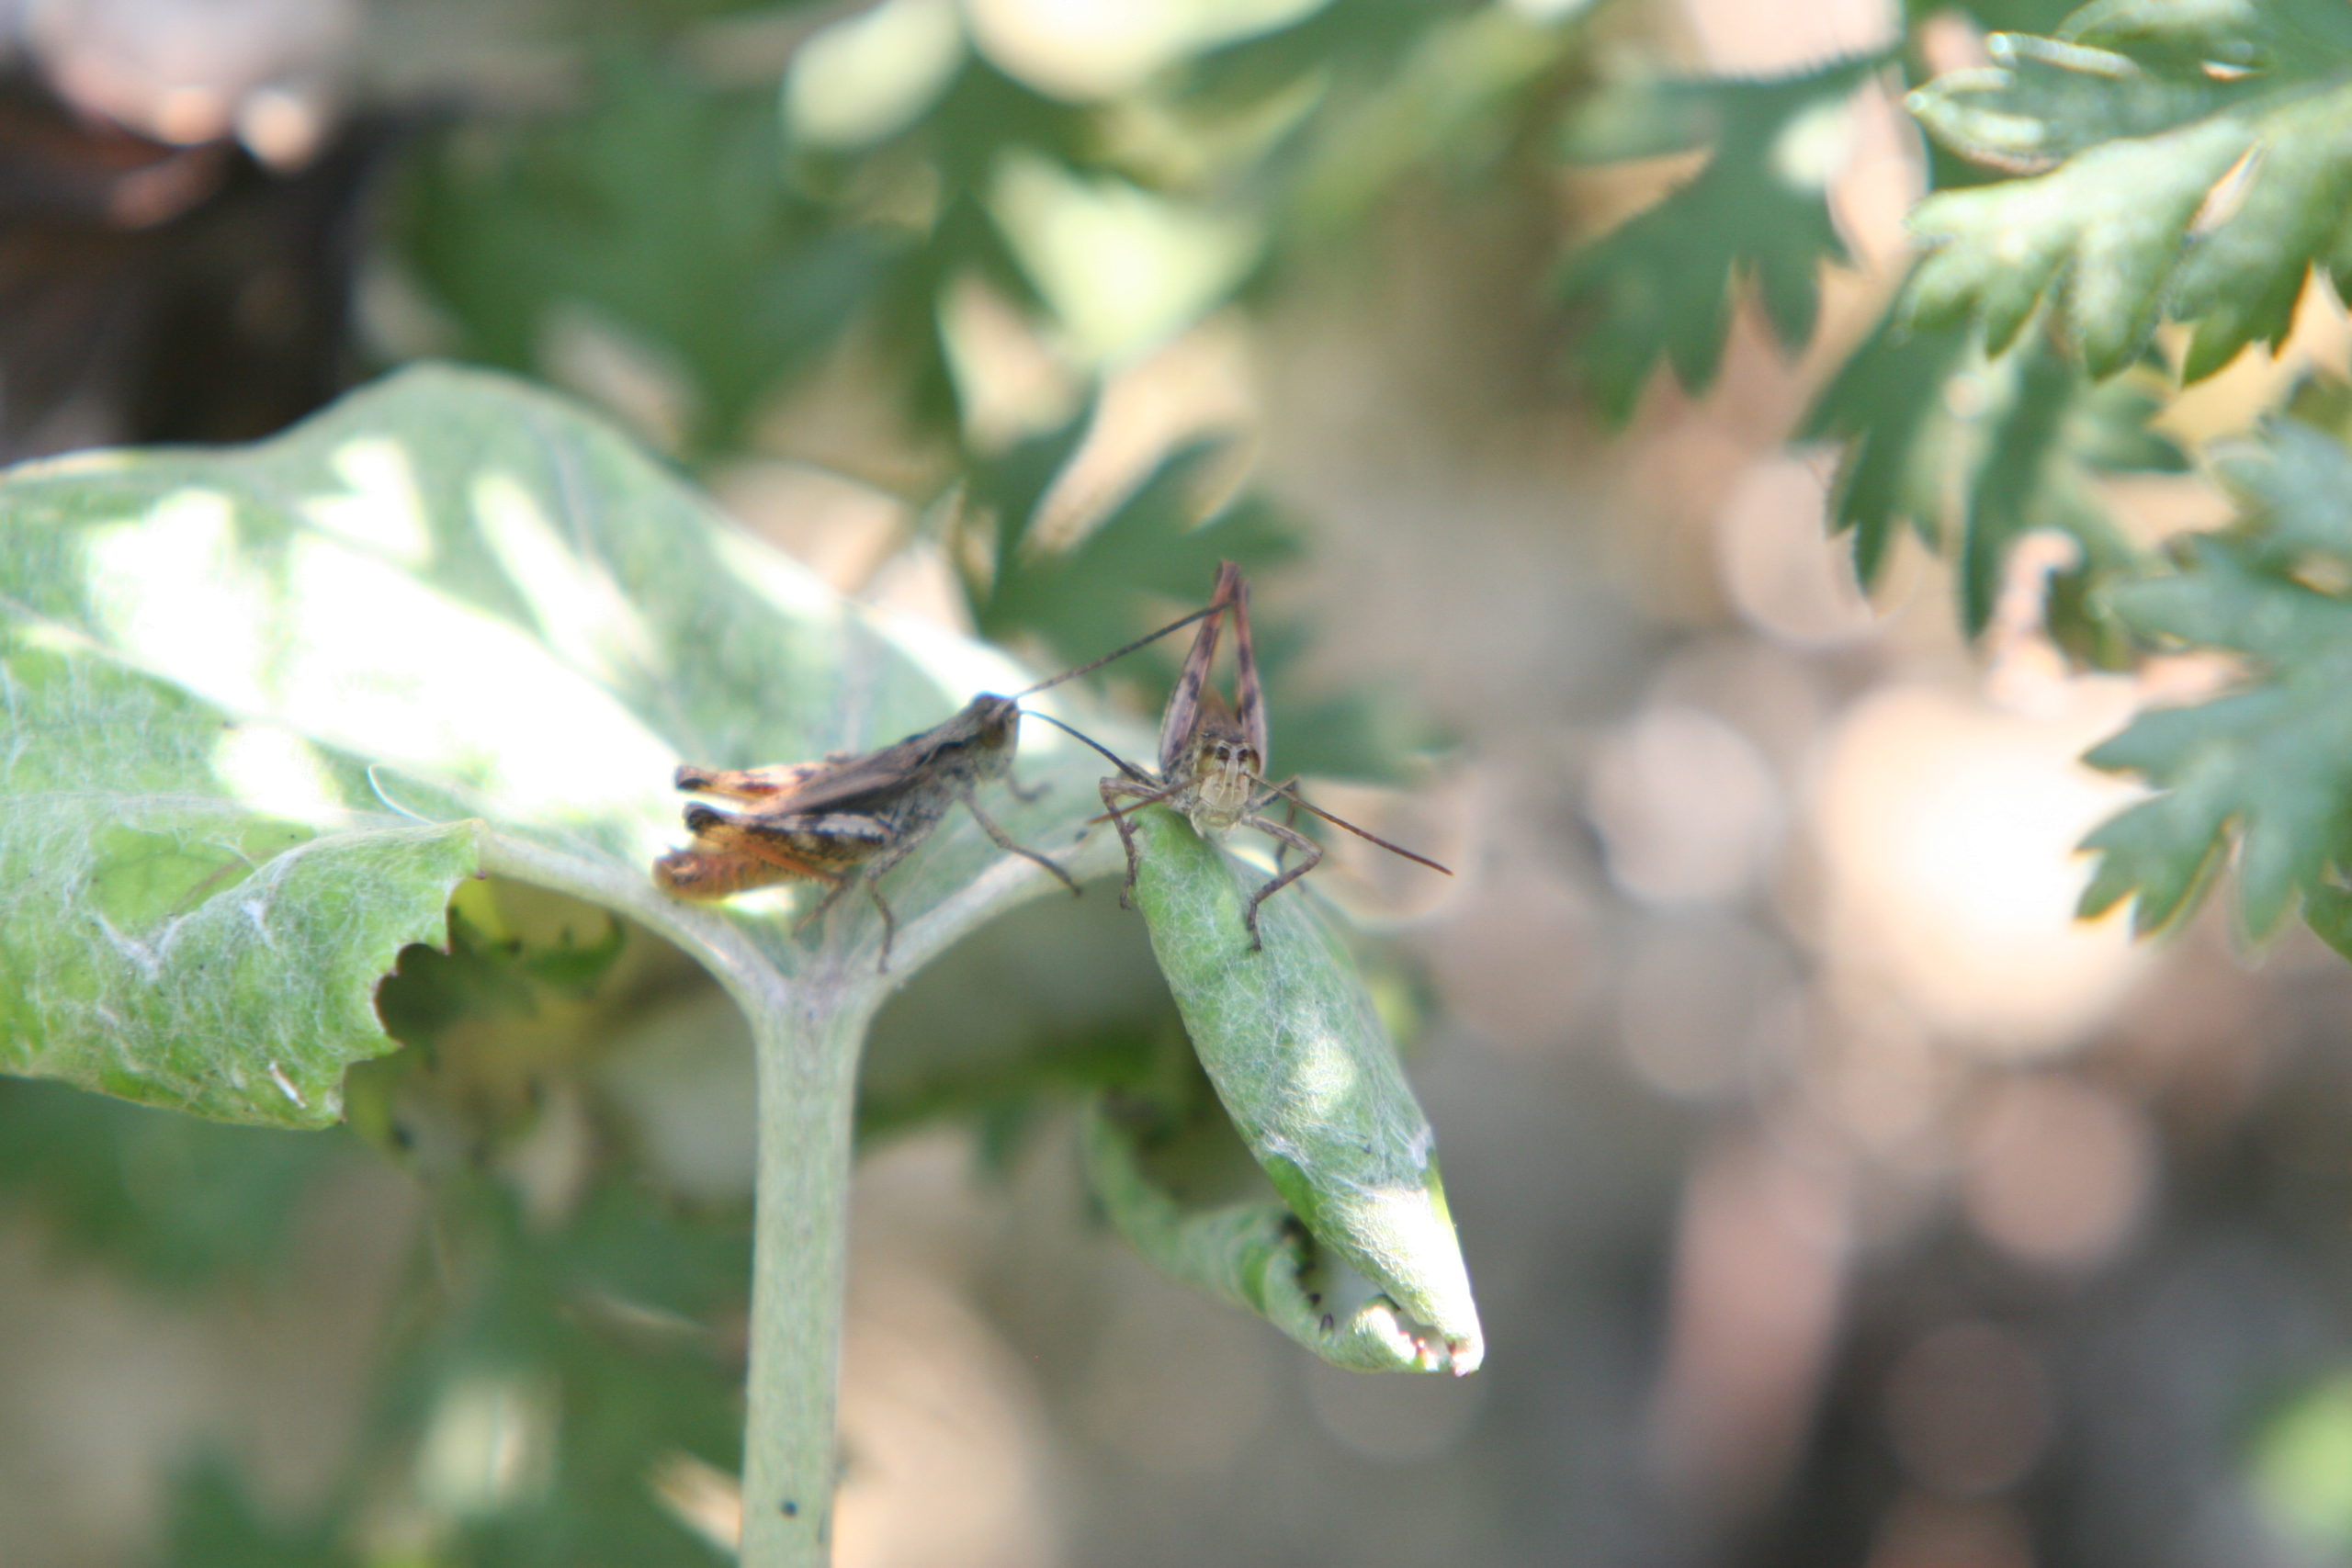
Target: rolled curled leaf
x,y
1257,1255
1308,1074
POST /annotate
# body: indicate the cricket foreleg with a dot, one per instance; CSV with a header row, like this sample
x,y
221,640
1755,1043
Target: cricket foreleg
x,y
1312,856
1004,841
1114,792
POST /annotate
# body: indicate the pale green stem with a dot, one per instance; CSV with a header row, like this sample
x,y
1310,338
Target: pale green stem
x,y
808,1035
808,1098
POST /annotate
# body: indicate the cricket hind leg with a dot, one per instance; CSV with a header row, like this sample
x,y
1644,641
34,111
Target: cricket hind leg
x,y
1004,841
1311,855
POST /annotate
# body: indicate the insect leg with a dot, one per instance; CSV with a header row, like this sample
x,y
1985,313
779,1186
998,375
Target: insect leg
x,y
1004,841
1013,786
1306,847
869,876
833,896
890,923
1290,817
1114,790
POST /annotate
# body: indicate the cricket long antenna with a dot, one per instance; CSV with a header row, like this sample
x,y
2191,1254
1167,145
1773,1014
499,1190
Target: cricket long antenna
x,y
1293,795
1120,653
1124,765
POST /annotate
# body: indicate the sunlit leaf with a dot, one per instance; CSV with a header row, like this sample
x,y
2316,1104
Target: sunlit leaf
x,y
1312,1082
269,706
2143,110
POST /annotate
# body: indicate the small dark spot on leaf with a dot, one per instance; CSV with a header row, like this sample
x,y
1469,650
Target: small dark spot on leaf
x,y
1315,1298
791,1509
402,1138
1328,1323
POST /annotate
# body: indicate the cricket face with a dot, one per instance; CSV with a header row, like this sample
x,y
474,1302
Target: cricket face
x,y
1223,766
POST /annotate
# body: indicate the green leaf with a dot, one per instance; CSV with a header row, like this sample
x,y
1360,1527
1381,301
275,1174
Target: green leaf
x,y
2129,226
1254,1255
662,209
1312,1082
1891,402
2043,100
269,706
1979,452
162,939
2267,767
1659,284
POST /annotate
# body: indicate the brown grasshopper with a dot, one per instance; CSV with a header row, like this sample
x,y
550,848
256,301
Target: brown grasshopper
x,y
849,819
1213,758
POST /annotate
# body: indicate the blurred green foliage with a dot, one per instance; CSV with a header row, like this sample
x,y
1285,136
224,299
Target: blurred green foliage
x,y
2267,764
178,1203
659,206
1756,218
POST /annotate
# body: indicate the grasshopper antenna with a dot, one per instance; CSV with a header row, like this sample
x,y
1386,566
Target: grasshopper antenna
x,y
1123,765
1144,641
1287,793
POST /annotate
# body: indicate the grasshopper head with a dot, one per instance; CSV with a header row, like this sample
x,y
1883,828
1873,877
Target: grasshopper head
x,y
995,724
